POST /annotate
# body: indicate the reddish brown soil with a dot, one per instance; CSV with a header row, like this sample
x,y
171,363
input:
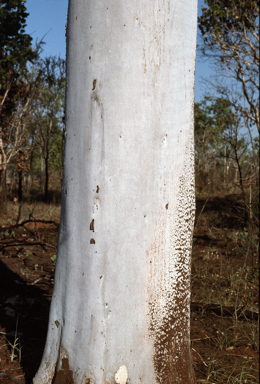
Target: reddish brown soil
x,y
217,340
26,282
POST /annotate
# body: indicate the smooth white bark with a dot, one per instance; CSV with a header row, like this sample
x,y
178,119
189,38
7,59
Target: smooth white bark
x,y
120,307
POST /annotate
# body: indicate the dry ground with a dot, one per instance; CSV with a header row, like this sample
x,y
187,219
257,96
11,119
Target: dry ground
x,y
224,309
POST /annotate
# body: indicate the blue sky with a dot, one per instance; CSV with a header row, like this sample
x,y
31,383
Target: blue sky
x,y
49,17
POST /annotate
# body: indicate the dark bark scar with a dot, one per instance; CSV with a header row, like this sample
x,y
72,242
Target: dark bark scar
x,y
65,374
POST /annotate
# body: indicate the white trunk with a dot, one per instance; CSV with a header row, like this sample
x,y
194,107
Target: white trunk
x,y
120,307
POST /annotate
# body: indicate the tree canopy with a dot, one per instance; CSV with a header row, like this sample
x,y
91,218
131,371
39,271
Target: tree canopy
x,y
15,50
230,39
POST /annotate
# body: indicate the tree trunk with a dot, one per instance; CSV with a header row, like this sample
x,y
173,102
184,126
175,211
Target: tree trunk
x,y
42,170
121,303
30,181
3,193
20,185
46,187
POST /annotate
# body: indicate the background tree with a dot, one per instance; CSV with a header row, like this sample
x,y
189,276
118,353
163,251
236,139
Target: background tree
x,y
213,118
21,158
224,157
15,51
230,40
15,137
121,302
48,112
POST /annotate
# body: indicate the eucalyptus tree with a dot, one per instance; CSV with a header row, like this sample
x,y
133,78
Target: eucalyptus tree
x,y
49,109
214,121
120,310
230,40
15,52
14,135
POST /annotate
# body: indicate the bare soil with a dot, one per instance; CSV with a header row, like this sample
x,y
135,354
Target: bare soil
x,y
225,294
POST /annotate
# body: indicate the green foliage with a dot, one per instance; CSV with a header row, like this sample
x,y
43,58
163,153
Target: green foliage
x,y
45,124
230,39
27,253
256,144
53,259
15,44
222,154
16,88
15,50
222,16
55,146
8,222
213,119
9,233
16,348
56,149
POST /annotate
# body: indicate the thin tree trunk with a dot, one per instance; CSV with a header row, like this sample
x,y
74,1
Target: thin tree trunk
x,y
42,171
30,185
3,191
49,129
225,166
46,188
20,186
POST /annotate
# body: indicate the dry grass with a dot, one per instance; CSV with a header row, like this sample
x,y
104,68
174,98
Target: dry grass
x,y
32,211
225,272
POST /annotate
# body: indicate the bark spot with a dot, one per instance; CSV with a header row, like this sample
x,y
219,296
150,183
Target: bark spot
x,y
94,84
92,225
65,375
97,189
121,375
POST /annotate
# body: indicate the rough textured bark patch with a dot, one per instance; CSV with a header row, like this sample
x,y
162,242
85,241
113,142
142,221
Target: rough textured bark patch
x,y
169,290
